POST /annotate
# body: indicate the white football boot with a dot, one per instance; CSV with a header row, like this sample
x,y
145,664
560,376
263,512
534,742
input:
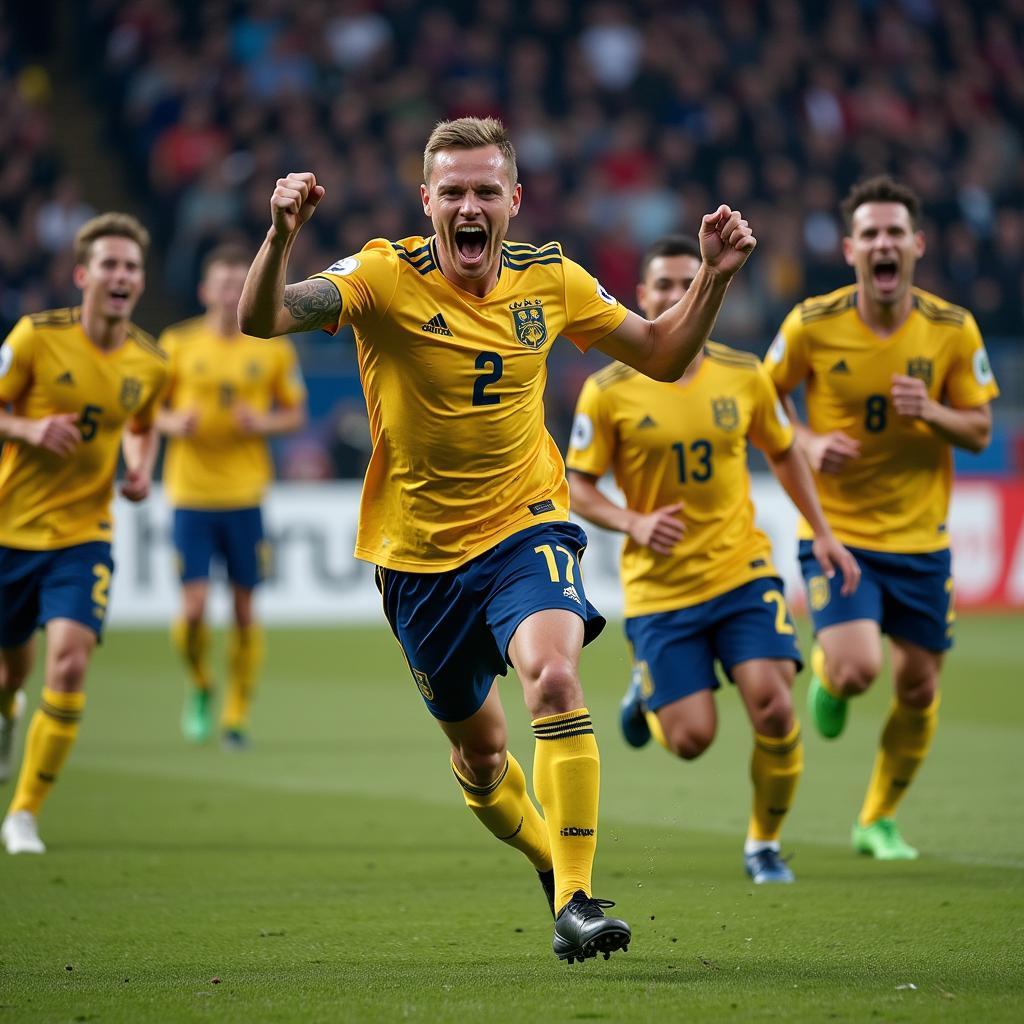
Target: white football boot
x,y
21,834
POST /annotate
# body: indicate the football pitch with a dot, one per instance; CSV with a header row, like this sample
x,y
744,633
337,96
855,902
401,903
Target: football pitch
x,y
331,873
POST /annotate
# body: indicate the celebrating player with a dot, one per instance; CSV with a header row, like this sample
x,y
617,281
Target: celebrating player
x,y
698,577
465,503
74,378
227,393
895,378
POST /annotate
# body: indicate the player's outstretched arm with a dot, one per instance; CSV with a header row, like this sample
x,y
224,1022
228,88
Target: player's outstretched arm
x,y
659,530
268,308
794,474
663,348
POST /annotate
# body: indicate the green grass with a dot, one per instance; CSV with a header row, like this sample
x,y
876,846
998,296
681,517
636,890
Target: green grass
x,y
332,874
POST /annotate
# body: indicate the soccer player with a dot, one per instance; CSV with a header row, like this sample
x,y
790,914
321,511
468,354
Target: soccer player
x,y
464,508
227,394
895,377
73,379
699,582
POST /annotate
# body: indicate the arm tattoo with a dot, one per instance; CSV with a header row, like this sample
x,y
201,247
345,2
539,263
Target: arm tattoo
x,y
313,304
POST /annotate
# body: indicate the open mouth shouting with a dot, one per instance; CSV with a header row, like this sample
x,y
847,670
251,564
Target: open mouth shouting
x,y
471,243
886,275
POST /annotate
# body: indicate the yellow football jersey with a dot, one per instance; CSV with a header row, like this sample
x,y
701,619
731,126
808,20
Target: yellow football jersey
x,y
454,389
895,495
671,442
48,366
220,466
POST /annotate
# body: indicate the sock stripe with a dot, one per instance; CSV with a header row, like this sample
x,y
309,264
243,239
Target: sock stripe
x,y
580,725
566,734
60,714
779,748
481,790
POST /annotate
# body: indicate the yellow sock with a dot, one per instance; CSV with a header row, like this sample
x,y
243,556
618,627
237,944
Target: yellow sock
x,y
775,769
245,656
654,724
567,779
818,668
50,737
906,739
506,810
192,642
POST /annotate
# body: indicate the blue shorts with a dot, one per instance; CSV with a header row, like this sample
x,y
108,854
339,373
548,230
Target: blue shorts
x,y
909,596
455,626
675,652
233,535
66,583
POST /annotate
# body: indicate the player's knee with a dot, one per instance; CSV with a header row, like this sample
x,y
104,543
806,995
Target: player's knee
x,y
919,693
688,741
774,715
853,674
557,685
481,763
68,669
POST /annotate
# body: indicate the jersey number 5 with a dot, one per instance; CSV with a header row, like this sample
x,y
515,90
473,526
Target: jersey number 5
x,y
89,422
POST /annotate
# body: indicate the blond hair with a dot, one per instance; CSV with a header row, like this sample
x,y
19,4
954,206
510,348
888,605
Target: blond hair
x,y
109,225
470,133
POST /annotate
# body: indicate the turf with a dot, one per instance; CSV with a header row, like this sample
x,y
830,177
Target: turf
x,y
331,874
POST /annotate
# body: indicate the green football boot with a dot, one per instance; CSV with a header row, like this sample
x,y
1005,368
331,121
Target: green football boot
x,y
196,720
827,712
882,840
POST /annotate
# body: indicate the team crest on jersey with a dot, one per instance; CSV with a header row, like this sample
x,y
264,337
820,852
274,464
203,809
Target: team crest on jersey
x,y
528,322
131,393
921,368
818,593
726,413
423,683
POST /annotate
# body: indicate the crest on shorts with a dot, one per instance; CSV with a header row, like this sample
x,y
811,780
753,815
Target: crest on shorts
x,y
920,368
818,593
131,393
423,683
528,322
726,413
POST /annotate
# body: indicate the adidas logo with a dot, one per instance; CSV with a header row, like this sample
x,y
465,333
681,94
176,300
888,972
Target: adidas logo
x,y
436,325
840,367
647,421
65,378
570,591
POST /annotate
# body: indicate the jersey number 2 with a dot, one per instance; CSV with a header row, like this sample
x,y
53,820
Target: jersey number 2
x,y
494,365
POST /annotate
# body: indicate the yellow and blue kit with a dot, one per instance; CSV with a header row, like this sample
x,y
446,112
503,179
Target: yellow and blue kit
x,y
717,596
56,522
217,476
462,461
889,505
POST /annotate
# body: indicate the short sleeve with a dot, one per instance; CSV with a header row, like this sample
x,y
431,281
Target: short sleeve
x,y
970,381
168,342
16,355
289,388
770,429
591,313
143,417
592,443
788,360
366,282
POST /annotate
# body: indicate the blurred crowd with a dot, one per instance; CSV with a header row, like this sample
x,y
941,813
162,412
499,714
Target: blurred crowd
x,y
630,120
